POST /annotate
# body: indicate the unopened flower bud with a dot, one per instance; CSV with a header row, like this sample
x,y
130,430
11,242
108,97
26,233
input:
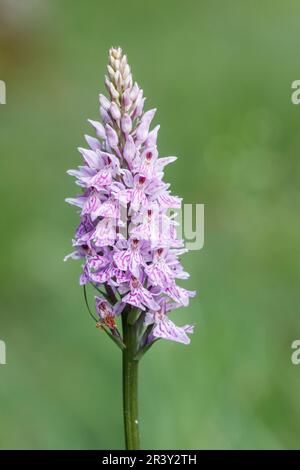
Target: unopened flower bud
x,y
126,123
123,62
111,72
152,137
126,99
129,149
115,111
105,103
105,116
118,79
126,71
100,131
139,107
112,136
143,128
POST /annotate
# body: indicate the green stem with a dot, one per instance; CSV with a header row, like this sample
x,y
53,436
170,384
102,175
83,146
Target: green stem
x,y
130,384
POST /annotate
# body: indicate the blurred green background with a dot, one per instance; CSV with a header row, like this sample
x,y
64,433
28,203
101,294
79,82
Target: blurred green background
x,y
220,74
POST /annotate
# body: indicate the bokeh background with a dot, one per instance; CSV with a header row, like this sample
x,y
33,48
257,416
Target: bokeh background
x,y
220,74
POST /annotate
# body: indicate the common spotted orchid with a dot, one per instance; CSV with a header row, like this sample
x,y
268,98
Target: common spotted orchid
x,y
127,236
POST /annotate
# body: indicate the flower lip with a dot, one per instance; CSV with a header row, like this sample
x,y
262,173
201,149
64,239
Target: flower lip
x,y
135,242
134,282
142,179
103,307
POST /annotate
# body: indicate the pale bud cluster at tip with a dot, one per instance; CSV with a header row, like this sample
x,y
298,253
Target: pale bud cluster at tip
x,y
119,74
126,98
